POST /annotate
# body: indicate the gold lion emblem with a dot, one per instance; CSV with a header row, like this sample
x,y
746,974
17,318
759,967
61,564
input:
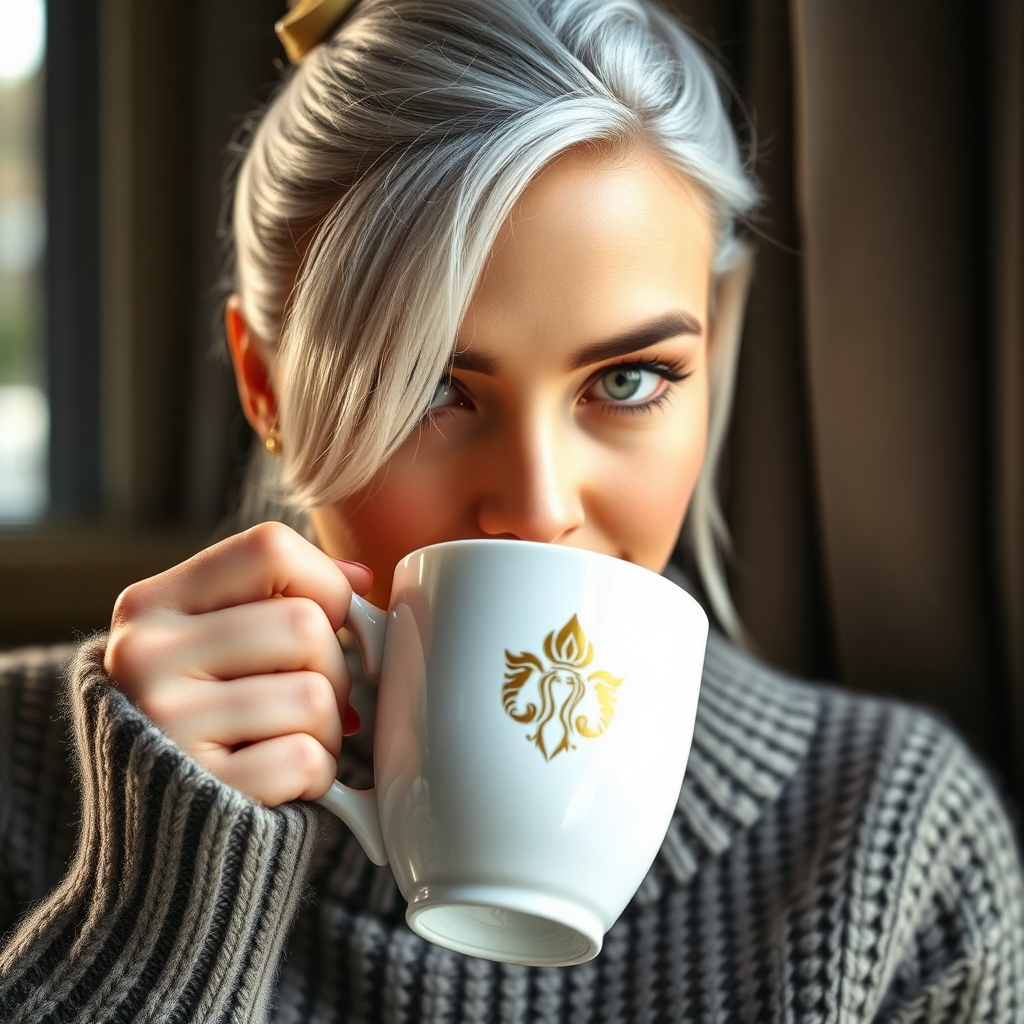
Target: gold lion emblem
x,y
555,699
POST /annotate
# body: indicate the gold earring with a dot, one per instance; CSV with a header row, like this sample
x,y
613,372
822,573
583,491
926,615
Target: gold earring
x,y
273,442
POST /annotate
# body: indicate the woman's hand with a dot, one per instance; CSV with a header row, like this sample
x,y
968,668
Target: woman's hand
x,y
233,654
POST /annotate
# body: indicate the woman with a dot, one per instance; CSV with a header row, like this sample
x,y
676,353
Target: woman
x,y
487,284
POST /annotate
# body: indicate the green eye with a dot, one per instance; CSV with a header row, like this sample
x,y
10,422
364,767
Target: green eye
x,y
443,394
622,384
448,397
630,384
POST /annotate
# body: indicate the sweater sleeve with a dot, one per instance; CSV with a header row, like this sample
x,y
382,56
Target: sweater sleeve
x,y
957,953
181,890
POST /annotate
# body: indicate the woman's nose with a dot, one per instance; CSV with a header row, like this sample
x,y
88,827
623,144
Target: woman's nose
x,y
532,485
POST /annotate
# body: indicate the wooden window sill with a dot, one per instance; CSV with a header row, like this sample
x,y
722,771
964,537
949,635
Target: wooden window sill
x,y
58,584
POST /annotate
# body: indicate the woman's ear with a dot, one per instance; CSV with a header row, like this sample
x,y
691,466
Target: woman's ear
x,y
255,390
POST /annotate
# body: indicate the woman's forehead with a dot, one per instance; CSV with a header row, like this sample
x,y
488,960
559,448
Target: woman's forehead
x,y
593,248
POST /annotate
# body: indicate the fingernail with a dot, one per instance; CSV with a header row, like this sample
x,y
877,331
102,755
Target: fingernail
x,y
357,565
354,565
350,722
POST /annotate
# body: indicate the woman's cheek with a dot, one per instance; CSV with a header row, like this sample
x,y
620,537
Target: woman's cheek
x,y
407,507
657,489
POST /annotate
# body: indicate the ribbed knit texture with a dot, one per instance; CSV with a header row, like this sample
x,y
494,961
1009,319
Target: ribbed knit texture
x,y
832,858
178,900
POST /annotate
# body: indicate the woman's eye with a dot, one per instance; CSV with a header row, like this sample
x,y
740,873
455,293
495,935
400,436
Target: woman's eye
x,y
443,394
447,395
627,384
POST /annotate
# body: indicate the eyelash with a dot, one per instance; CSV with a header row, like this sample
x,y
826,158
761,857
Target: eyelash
x,y
433,415
672,372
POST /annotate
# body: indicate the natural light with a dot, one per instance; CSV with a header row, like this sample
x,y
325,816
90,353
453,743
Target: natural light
x,y
24,409
22,38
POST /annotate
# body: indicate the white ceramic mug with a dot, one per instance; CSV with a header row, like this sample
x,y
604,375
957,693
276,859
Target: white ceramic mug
x,y
534,717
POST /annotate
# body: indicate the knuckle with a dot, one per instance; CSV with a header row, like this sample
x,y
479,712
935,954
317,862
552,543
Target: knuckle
x,y
124,659
273,541
315,696
129,605
309,759
144,648
306,620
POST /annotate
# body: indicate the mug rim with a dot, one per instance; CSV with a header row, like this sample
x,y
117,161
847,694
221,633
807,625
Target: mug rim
x,y
572,552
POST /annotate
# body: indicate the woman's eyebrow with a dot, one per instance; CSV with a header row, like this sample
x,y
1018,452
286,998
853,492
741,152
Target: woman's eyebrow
x,y
667,325
475,362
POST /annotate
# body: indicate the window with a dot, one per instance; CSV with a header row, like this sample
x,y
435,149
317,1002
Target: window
x,y
24,410
140,435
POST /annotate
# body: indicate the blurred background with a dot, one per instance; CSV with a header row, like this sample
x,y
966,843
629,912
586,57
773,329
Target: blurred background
x,y
875,477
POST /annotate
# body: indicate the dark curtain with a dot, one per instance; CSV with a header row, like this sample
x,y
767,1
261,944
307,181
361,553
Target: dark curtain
x,y
875,486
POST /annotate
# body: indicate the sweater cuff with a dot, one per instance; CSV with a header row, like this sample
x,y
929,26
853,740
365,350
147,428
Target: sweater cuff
x,y
181,892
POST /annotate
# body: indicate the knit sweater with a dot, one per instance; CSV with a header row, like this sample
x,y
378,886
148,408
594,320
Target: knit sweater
x,y
831,858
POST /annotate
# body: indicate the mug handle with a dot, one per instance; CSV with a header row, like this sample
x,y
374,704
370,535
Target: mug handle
x,y
358,807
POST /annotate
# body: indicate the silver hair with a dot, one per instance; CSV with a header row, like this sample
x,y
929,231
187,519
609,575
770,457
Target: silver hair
x,y
376,183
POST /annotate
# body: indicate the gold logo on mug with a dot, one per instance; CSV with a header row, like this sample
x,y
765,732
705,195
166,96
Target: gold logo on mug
x,y
555,698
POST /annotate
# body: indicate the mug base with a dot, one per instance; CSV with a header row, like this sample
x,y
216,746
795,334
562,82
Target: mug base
x,y
506,924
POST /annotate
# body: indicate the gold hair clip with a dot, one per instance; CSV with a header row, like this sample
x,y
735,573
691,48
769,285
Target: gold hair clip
x,y
307,23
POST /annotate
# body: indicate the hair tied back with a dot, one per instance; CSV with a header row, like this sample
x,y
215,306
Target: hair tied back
x,y
307,23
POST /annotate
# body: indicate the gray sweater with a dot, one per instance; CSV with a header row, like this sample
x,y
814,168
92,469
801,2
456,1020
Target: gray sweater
x,y
832,858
